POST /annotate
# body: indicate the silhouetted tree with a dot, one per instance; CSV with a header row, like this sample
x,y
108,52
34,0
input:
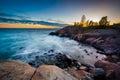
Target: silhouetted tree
x,y
103,21
87,23
91,23
76,24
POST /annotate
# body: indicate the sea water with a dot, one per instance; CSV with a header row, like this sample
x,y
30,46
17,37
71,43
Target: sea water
x,y
26,44
25,41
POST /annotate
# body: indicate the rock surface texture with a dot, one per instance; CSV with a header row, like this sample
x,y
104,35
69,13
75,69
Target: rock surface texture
x,y
49,72
107,40
17,70
112,70
79,65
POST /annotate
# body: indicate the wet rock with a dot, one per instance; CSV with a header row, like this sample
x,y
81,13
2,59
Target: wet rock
x,y
37,57
83,68
49,72
86,51
99,73
113,58
64,60
54,33
15,70
59,59
21,48
76,64
107,40
112,70
45,53
51,51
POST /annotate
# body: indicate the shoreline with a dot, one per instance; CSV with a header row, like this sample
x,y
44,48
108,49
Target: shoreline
x,y
97,38
71,68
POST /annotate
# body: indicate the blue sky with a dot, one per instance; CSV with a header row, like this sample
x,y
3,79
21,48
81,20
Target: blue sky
x,y
61,10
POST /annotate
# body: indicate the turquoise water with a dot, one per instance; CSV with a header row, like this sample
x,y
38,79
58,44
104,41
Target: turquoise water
x,y
17,41
32,45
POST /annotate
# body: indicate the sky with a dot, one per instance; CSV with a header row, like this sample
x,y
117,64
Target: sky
x,y
62,11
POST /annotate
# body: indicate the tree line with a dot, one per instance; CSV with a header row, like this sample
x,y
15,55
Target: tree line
x,y
103,22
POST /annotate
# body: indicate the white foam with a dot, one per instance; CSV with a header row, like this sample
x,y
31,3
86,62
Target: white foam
x,y
37,47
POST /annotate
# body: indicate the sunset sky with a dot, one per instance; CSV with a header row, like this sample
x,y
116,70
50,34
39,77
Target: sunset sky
x,y
60,11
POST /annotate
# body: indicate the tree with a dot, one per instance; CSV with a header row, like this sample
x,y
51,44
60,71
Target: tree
x,y
91,23
76,24
103,21
87,23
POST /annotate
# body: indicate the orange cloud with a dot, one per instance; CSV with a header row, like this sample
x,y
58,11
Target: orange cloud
x,y
15,25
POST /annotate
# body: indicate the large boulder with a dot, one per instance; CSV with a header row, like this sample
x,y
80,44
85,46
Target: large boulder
x,y
49,72
15,70
112,70
80,74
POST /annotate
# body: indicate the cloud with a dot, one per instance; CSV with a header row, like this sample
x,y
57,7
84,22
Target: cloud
x,y
7,20
55,21
12,16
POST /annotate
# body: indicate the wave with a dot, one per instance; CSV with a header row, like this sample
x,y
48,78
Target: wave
x,y
43,50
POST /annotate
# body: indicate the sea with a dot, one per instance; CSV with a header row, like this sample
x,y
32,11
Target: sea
x,y
27,44
26,41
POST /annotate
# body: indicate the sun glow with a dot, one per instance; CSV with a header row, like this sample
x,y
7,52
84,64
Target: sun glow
x,y
15,25
96,19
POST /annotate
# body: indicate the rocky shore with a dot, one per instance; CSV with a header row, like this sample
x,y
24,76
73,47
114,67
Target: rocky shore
x,y
17,70
105,40
68,67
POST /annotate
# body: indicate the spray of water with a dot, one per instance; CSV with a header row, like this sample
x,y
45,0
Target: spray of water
x,y
44,50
